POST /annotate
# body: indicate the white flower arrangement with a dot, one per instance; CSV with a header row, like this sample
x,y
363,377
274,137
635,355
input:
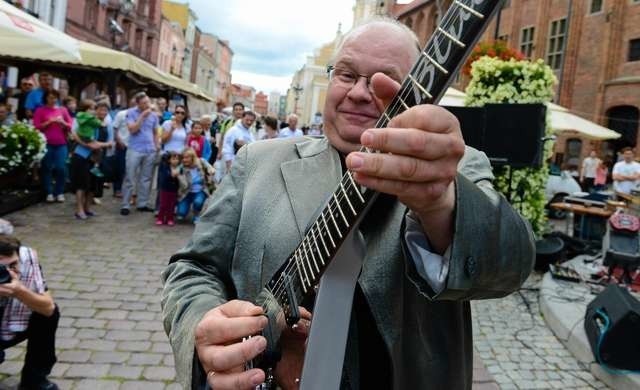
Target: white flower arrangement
x,y
21,146
516,81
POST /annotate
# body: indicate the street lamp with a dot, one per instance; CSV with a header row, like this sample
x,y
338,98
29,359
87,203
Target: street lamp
x,y
123,6
297,89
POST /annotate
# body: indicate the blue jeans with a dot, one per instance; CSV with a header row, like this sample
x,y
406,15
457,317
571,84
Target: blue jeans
x,y
196,199
54,162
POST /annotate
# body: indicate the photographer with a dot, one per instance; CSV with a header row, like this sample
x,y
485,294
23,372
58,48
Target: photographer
x,y
27,312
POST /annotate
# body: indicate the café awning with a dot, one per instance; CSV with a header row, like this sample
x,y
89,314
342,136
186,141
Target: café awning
x,y
562,120
24,36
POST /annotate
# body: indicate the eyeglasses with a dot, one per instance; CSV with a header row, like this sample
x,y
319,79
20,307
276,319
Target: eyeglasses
x,y
179,112
346,78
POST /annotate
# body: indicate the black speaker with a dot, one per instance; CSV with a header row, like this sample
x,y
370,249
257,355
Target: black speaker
x,y
612,324
509,134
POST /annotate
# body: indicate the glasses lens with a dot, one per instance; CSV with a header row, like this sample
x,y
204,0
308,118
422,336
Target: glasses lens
x,y
180,112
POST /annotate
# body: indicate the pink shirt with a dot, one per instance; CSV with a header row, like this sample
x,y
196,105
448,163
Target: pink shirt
x,y
55,133
601,176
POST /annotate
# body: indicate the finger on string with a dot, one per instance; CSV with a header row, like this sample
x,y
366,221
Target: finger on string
x,y
428,117
304,313
227,357
245,380
384,89
238,308
413,142
220,330
398,167
403,189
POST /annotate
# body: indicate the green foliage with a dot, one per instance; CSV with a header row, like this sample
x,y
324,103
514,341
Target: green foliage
x,y
497,81
21,146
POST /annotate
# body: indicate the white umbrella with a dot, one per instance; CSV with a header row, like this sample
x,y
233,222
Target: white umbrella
x,y
25,36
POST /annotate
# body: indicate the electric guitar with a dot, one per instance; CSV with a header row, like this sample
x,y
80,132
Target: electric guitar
x,y
296,280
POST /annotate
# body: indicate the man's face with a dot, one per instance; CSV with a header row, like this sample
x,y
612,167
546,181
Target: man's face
x,y
628,156
11,262
238,111
162,104
293,122
144,103
350,111
45,81
101,112
248,120
26,86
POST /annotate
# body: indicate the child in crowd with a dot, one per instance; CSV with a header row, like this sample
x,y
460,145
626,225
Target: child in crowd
x,y
87,123
168,178
71,104
196,138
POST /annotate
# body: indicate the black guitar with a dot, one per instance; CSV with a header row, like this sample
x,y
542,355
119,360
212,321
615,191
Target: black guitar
x,y
296,280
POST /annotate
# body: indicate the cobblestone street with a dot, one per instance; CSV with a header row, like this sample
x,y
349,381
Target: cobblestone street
x,y
105,275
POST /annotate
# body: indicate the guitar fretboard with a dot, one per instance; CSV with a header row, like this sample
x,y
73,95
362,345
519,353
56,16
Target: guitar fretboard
x,y
427,81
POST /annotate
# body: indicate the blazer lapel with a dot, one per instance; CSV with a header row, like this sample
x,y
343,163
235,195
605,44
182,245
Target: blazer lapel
x,y
311,179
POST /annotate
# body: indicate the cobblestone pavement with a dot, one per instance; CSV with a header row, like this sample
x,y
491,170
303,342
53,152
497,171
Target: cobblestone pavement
x,y
104,273
518,348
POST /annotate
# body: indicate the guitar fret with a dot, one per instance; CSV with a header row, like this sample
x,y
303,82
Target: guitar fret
x,y
295,260
315,241
435,63
340,210
326,250
469,9
326,229
315,262
386,116
304,269
420,87
406,107
346,196
355,187
451,37
335,223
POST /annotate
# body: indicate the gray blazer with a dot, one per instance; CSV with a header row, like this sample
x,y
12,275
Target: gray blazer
x,y
258,216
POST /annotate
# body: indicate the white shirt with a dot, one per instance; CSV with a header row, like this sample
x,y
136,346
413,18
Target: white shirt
x,y
589,167
235,133
178,139
288,133
627,169
120,126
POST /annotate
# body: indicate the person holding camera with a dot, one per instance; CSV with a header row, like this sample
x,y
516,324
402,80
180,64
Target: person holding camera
x,y
27,312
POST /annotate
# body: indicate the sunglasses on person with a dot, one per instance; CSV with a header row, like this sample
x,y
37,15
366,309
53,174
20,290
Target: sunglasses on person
x,y
179,112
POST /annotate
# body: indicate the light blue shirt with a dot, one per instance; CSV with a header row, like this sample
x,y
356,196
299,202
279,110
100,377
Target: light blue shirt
x,y
288,133
178,138
142,140
197,181
34,99
236,132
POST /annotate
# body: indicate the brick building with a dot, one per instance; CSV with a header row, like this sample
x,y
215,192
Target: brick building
x,y
261,105
592,45
127,25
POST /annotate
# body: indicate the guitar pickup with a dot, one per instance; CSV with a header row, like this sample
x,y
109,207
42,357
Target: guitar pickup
x,y
293,314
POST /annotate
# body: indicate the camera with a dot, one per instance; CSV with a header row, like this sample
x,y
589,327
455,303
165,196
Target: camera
x,y
5,276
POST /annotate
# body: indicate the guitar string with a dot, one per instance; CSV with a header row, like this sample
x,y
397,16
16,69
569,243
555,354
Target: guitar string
x,y
393,110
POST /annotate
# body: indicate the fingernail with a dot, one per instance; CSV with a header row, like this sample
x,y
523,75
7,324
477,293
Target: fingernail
x,y
261,344
264,321
355,161
367,138
256,379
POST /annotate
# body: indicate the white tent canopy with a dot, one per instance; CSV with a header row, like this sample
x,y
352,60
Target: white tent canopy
x,y
562,120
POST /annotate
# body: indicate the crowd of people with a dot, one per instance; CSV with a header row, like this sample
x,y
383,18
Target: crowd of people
x,y
91,145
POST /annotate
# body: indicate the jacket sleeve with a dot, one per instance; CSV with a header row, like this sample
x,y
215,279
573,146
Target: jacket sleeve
x,y
493,249
198,276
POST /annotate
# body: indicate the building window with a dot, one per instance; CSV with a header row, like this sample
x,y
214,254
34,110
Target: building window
x,y
573,151
504,38
634,50
557,36
526,41
596,6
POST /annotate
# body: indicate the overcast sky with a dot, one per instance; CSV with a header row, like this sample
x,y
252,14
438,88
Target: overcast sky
x,y
271,39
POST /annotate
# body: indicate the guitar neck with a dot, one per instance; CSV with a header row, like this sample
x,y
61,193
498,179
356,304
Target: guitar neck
x,y
427,81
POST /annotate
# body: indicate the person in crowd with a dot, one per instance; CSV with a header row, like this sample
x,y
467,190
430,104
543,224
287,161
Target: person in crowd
x,y
121,135
55,123
6,117
227,124
291,130
85,129
105,156
141,152
196,184
270,128
168,188
71,104
588,171
174,130
36,96
165,114
83,183
602,172
626,173
211,131
26,85
196,139
438,236
238,136
28,311
315,130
